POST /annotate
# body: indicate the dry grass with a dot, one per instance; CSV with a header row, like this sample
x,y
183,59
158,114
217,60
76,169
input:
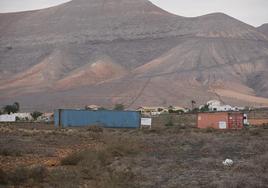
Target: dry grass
x,y
167,157
96,166
24,175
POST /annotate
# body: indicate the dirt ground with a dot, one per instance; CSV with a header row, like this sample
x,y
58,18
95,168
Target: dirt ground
x,y
41,156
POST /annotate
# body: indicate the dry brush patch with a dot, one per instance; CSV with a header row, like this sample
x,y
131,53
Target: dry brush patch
x,y
30,176
96,167
167,157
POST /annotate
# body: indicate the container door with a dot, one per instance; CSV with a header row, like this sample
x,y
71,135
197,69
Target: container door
x,y
235,121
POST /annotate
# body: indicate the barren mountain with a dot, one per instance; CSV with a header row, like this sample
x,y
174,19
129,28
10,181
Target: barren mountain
x,y
131,52
264,29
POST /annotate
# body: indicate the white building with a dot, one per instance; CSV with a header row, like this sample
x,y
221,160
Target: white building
x,y
93,107
215,105
23,116
14,117
223,108
7,118
46,117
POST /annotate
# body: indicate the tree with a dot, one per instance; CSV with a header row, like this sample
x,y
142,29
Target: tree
x,y
14,108
204,108
119,107
170,109
193,104
195,110
17,106
36,114
179,111
159,109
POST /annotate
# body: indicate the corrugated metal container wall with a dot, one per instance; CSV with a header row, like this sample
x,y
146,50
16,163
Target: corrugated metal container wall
x,y
212,120
108,119
220,120
235,120
258,122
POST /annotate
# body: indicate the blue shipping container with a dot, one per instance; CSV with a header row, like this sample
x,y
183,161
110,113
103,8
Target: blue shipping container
x,y
108,119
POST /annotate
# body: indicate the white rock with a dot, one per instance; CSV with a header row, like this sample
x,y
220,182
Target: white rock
x,y
228,162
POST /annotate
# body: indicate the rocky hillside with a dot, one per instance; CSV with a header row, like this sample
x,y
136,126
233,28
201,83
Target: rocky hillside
x,y
264,29
128,51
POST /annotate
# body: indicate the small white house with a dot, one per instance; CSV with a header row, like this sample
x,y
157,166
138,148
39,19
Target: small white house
x,y
14,117
46,117
7,118
223,108
215,105
93,107
24,116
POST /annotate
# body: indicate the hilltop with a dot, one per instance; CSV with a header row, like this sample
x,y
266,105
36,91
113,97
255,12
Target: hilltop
x,y
130,52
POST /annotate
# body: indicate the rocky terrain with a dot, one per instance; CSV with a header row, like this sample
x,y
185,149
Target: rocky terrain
x,y
131,52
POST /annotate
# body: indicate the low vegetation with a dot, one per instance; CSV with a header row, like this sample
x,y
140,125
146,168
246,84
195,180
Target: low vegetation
x,y
36,114
119,107
173,156
24,175
99,166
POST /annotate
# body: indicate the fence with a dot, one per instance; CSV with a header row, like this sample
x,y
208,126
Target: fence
x,y
258,116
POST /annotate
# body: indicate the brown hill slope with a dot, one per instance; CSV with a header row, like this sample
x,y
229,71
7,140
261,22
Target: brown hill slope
x,y
155,58
40,76
101,70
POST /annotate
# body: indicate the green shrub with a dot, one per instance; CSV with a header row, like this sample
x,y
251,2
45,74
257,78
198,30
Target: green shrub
x,y
22,175
210,130
119,107
38,173
36,114
3,177
72,159
169,123
10,151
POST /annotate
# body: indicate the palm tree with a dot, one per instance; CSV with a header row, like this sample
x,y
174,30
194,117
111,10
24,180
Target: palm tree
x,y
16,106
193,104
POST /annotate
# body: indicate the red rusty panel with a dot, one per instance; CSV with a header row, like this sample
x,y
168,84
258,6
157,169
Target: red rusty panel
x,y
258,122
220,120
212,120
235,121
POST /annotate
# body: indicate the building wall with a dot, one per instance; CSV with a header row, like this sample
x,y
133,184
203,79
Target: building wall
x,y
258,114
236,120
211,120
257,117
108,119
220,120
7,118
258,122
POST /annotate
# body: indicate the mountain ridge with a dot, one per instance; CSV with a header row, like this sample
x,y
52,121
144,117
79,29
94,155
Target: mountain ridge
x,y
264,29
153,57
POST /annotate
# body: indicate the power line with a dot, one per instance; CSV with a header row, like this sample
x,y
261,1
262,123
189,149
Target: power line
x,y
140,93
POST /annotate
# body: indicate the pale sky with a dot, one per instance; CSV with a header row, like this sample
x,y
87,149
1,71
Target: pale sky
x,y
254,12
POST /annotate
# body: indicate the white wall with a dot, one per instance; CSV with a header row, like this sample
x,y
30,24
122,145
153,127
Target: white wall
x,y
7,118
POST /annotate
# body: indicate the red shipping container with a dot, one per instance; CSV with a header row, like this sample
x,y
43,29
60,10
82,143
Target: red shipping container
x,y
220,120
